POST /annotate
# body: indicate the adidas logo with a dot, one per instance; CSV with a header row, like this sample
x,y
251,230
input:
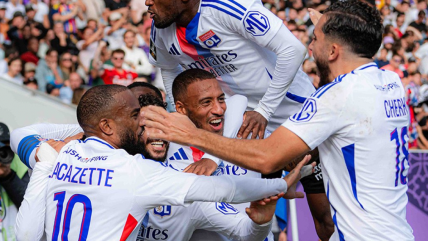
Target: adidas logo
x,y
179,155
173,50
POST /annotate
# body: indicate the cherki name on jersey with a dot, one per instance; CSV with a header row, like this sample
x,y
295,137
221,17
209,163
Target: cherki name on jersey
x,y
68,173
395,108
217,64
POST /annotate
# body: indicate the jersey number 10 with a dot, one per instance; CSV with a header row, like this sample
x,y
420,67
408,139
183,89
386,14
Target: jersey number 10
x,y
86,219
400,165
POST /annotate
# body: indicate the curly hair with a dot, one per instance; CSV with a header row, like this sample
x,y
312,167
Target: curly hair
x,y
149,99
356,24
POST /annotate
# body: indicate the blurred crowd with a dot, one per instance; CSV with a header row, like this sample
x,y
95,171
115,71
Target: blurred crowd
x,y
63,47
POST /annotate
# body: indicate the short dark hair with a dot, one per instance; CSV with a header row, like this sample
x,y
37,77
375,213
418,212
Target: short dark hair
x,y
13,60
355,24
96,103
129,31
149,99
118,51
185,78
146,85
50,50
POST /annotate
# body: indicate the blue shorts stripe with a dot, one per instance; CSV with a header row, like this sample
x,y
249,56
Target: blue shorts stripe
x,y
223,10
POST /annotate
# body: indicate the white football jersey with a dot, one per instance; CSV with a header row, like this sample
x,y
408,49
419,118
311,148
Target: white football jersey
x,y
88,173
228,38
359,123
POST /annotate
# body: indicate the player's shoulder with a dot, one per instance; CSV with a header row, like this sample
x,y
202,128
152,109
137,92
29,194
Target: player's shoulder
x,y
237,100
233,8
337,87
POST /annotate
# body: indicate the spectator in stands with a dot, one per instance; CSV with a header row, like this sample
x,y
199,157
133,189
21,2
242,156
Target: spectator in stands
x,y
382,60
16,32
400,26
114,32
422,55
14,179
52,90
48,71
88,46
100,61
13,6
9,53
77,95
92,24
394,65
134,57
14,71
42,11
31,55
61,41
66,13
143,36
118,75
94,9
29,76
116,6
66,65
419,23
137,9
70,85
4,25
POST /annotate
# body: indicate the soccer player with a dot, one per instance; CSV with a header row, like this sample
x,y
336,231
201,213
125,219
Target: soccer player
x,y
358,120
198,95
246,47
101,175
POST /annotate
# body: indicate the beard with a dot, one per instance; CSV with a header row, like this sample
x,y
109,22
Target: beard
x,y
323,72
147,154
130,143
166,21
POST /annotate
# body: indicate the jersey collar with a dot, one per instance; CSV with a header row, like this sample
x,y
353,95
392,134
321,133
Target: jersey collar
x,y
99,141
370,65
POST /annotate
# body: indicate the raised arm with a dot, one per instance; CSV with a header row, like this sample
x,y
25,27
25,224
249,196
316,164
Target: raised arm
x,y
25,140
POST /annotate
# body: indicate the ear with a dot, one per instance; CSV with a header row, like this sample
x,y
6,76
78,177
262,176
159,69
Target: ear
x,y
179,106
334,52
107,126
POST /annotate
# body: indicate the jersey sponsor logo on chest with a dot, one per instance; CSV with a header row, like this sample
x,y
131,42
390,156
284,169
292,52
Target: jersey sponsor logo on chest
x,y
210,39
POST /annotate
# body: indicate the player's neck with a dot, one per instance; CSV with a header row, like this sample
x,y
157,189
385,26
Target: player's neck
x,y
188,14
347,65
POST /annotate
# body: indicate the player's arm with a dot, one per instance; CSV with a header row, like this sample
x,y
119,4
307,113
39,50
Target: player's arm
x,y
274,36
225,219
25,140
185,188
31,216
304,131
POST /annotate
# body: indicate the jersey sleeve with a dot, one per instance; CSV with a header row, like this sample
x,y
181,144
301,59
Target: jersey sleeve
x,y
318,118
248,18
24,141
30,219
166,186
256,23
224,218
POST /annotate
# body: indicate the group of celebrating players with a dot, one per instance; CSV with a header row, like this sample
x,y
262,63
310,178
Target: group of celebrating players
x,y
243,108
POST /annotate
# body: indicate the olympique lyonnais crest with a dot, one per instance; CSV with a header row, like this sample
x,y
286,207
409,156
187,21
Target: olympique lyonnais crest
x,y
210,39
162,210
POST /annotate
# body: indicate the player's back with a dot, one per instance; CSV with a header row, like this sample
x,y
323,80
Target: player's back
x,y
365,159
97,192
